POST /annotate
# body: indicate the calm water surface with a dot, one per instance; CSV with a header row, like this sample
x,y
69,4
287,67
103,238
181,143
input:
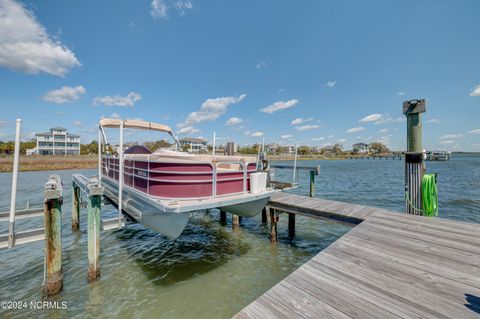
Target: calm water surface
x,y
209,271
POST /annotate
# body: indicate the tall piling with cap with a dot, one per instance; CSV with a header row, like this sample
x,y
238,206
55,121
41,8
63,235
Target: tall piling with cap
x,y
95,192
414,166
53,235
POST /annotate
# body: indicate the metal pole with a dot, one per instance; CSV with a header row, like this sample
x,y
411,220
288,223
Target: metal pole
x,y
295,164
213,150
13,197
99,156
120,178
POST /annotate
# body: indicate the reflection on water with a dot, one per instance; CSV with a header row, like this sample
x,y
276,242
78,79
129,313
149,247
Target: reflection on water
x,y
209,271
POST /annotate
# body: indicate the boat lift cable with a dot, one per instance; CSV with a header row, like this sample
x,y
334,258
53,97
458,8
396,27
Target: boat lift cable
x,y
429,196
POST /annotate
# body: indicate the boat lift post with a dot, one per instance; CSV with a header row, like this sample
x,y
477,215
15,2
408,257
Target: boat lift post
x,y
213,150
13,197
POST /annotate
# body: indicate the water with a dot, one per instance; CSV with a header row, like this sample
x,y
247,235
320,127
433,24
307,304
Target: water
x,y
209,271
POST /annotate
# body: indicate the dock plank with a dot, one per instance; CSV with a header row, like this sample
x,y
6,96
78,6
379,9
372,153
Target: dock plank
x,y
390,265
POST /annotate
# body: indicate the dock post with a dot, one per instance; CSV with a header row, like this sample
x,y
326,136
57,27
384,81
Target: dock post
x,y
291,225
235,221
94,223
414,166
76,207
53,235
273,225
223,217
264,215
312,183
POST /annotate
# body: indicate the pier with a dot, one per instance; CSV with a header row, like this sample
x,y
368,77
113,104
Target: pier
x,y
390,265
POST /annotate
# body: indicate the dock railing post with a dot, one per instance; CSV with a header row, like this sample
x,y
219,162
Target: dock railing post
x,y
75,207
414,166
13,197
94,224
53,235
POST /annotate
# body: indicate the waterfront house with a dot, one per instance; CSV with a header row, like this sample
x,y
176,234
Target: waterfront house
x,y
195,145
360,148
56,142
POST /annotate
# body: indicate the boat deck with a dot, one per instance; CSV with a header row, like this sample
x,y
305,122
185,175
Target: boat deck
x,y
391,265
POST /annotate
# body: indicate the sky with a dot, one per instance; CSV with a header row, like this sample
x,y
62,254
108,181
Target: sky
x,y
292,72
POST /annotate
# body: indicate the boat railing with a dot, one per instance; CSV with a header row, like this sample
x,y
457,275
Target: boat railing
x,y
244,169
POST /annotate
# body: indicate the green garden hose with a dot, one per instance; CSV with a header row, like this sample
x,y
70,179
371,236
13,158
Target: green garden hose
x,y
429,196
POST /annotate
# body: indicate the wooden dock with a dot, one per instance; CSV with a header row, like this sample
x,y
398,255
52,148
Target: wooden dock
x,y
390,265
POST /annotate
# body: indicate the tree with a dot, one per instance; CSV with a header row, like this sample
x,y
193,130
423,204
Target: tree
x,y
378,148
337,149
304,150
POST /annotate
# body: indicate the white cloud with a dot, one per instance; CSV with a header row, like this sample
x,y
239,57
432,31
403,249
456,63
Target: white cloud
x,y
261,65
447,142
434,120
286,136
342,140
355,129
256,134
300,120
3,123
77,123
233,121
474,132
306,127
331,136
280,105
211,109
450,136
26,46
129,100
321,138
384,130
159,8
66,94
476,91
401,93
188,130
371,118
330,84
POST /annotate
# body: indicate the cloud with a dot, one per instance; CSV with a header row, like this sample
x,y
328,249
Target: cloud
x,y
450,136
330,84
286,136
66,94
118,100
210,110
321,138
300,120
371,118
342,140
26,46
306,127
3,123
278,106
355,129
434,120
476,91
261,65
384,130
159,8
401,93
188,130
233,121
256,134
474,132
447,142
77,123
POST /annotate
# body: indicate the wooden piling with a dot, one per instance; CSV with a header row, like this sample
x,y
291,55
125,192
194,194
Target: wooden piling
x,y
94,223
223,217
312,183
53,236
264,215
75,208
291,225
235,221
273,225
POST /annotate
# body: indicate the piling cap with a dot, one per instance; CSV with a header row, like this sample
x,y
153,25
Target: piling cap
x,y
53,187
414,106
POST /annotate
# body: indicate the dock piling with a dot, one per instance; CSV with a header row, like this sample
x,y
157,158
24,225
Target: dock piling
x,y
312,183
75,207
235,221
223,217
273,225
94,224
53,235
264,215
291,225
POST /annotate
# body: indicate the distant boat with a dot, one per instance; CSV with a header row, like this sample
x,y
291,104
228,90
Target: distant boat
x,y
162,188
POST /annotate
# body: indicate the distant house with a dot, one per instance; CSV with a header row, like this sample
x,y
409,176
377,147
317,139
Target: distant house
x,y
56,142
360,148
231,148
195,145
